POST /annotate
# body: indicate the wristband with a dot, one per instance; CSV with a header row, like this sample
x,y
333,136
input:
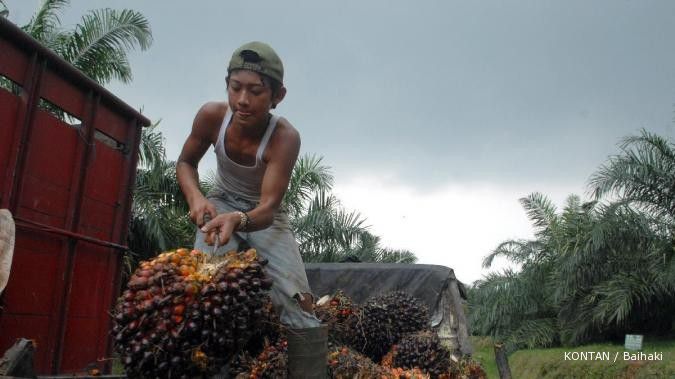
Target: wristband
x,y
243,221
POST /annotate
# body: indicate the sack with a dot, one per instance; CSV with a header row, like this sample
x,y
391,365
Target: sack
x,y
7,230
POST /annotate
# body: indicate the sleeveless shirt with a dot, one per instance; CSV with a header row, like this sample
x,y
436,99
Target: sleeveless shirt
x,y
239,180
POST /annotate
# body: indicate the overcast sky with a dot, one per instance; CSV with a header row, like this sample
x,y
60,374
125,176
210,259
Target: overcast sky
x,y
436,116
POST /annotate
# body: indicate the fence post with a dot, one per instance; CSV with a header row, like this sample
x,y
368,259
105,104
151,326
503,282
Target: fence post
x,y
502,361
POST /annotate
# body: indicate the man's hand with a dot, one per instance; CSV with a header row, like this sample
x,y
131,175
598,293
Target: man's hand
x,y
224,224
199,209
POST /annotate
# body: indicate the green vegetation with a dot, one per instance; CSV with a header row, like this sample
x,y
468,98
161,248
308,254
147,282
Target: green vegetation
x,y
596,269
98,44
551,363
483,352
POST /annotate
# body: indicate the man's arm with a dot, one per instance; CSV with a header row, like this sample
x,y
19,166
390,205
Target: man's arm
x,y
283,153
204,133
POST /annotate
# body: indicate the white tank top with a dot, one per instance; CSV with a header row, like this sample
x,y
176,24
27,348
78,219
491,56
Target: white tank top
x,y
239,180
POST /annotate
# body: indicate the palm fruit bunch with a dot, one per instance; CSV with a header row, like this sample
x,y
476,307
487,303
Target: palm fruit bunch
x,y
184,316
270,363
467,368
401,373
270,330
383,320
421,350
346,363
336,311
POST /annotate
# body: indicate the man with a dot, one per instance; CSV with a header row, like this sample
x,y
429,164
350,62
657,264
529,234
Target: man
x,y
256,152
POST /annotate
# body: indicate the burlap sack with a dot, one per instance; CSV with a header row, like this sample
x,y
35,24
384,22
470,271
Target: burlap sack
x,y
7,230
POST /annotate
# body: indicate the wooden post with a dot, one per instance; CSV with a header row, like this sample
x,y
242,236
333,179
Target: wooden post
x,y
502,361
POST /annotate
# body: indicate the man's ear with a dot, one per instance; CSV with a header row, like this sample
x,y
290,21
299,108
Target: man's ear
x,y
279,97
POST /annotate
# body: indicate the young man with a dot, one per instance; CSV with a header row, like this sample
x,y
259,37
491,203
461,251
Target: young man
x,y
256,152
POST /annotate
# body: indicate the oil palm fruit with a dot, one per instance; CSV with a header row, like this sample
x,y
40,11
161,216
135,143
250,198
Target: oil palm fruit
x,y
346,363
184,315
383,320
421,350
336,312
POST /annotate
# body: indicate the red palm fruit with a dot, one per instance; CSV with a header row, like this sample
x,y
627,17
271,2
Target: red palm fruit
x,y
179,309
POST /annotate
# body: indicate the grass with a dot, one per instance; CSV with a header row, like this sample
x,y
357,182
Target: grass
x,y
483,352
551,363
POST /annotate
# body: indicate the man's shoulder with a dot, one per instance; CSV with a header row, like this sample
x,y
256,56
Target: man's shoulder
x,y
213,111
285,140
211,114
286,130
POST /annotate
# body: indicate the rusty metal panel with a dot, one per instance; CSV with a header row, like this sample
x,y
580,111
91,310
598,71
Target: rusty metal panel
x,y
48,170
88,316
100,202
97,218
63,93
105,175
81,344
31,296
31,289
89,281
113,125
13,62
9,104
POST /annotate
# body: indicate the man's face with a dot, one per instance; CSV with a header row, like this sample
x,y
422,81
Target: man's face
x,y
250,98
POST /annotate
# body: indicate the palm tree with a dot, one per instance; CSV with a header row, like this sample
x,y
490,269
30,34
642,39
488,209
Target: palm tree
x,y
517,307
98,45
368,249
643,175
4,12
621,277
159,213
637,235
325,231
593,272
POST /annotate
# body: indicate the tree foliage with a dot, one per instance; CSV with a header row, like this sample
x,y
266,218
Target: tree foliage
x,y
642,175
98,45
4,12
595,270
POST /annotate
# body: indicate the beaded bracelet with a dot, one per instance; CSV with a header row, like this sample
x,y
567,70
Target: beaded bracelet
x,y
243,221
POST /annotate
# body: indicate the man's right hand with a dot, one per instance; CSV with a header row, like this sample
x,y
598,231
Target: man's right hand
x,y
199,208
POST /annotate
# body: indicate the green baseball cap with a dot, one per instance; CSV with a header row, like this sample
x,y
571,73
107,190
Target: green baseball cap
x,y
259,57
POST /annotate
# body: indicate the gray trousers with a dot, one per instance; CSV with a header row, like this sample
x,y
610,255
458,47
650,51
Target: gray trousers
x,y
277,244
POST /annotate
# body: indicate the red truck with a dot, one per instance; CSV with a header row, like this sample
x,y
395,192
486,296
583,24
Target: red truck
x,y
68,154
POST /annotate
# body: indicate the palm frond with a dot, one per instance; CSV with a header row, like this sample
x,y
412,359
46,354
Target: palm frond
x,y
45,21
537,333
517,251
151,150
541,212
4,11
387,255
309,176
643,174
99,43
326,231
